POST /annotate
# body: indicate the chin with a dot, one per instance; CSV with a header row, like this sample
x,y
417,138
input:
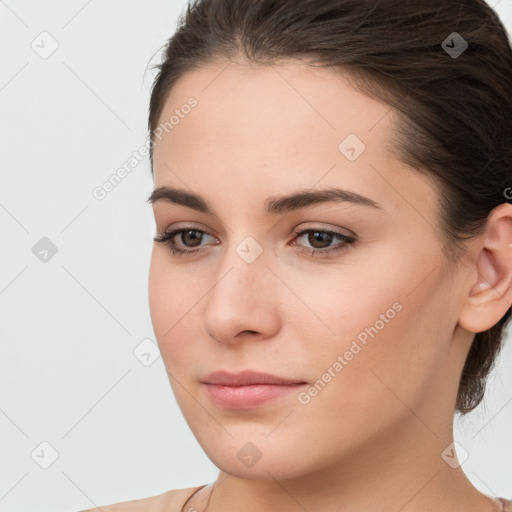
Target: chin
x,y
256,457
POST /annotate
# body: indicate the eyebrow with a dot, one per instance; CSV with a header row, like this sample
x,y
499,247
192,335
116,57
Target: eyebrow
x,y
273,204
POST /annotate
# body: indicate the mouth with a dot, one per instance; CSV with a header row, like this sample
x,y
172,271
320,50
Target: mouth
x,y
248,389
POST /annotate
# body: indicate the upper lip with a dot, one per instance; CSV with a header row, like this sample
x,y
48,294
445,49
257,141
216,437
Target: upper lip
x,y
246,378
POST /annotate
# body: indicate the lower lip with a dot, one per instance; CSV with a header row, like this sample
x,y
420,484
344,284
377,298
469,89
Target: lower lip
x,y
246,397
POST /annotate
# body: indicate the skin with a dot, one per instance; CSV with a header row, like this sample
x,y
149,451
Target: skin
x,y
373,437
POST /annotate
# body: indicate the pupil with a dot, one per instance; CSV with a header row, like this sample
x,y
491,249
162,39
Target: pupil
x,y
317,236
196,239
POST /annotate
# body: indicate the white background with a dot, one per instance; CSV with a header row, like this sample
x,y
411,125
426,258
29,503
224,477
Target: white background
x,y
69,326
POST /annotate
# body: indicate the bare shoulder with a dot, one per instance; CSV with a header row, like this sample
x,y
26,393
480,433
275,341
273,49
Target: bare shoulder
x,y
169,501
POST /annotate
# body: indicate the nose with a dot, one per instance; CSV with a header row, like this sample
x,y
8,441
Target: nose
x,y
240,304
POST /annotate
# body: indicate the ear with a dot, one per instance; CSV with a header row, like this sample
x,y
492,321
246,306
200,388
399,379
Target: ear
x,y
490,293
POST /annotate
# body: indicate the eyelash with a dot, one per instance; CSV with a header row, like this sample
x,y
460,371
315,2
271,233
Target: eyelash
x,y
166,239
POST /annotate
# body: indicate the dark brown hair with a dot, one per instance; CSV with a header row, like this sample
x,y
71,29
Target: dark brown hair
x,y
454,110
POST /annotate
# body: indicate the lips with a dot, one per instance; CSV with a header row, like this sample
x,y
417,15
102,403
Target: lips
x,y
247,389
248,378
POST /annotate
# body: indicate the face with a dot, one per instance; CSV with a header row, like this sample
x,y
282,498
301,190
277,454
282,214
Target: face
x,y
351,299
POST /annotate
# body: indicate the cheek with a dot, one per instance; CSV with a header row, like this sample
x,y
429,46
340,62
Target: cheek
x,y
165,297
378,327
173,299
356,301
365,375
159,292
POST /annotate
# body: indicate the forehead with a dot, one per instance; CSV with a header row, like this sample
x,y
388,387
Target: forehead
x,y
267,129
272,108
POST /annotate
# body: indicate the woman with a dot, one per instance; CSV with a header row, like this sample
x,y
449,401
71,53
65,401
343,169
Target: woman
x,y
332,270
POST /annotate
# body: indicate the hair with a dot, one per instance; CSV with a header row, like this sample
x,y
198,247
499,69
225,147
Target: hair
x,y
454,112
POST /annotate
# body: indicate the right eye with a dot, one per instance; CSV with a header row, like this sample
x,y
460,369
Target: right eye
x,y
187,235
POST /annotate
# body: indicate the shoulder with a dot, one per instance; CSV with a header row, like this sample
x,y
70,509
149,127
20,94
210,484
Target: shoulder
x,y
169,501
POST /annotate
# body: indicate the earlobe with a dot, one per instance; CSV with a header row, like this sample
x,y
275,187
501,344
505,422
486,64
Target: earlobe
x,y
490,293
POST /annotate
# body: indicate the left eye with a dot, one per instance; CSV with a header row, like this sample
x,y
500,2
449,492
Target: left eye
x,y
319,239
